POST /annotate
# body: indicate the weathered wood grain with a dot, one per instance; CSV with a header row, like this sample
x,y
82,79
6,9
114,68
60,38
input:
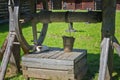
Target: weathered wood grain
x,y
42,34
34,31
25,46
55,63
108,30
47,74
6,56
104,59
47,17
45,25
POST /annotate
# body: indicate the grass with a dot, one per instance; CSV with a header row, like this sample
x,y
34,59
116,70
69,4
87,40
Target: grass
x,y
88,36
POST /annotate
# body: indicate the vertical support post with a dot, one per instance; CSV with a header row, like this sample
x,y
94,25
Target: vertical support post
x,y
108,30
15,57
45,25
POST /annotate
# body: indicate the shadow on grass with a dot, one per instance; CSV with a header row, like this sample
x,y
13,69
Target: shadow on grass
x,y
93,67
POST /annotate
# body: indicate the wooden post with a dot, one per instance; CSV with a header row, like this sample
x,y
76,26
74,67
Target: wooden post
x,y
45,25
108,30
6,56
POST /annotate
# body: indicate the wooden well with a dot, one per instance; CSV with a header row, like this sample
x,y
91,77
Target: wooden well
x,y
55,64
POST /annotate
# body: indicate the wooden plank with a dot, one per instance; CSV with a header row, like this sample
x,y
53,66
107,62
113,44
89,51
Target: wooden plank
x,y
47,74
49,54
57,55
64,56
74,56
80,65
47,66
48,61
45,54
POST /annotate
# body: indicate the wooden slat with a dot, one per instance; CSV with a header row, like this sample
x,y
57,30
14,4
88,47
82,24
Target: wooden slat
x,y
64,56
57,55
47,66
48,61
80,65
48,55
74,56
47,74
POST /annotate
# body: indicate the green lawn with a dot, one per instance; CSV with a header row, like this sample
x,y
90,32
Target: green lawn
x,y
88,36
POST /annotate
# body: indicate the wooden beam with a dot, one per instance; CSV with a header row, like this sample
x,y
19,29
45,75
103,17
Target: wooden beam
x,y
104,58
47,17
108,30
45,25
6,56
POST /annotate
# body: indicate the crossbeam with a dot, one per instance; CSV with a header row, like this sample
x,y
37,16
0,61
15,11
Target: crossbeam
x,y
48,16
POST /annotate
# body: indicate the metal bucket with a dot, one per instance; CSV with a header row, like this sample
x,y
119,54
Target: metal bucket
x,y
68,43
